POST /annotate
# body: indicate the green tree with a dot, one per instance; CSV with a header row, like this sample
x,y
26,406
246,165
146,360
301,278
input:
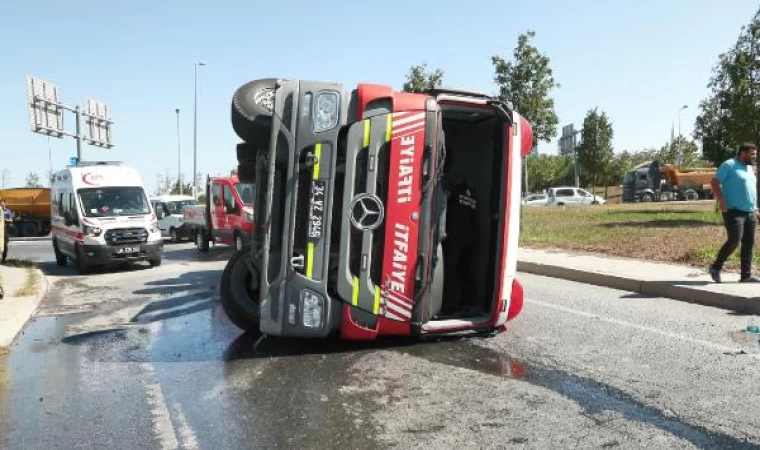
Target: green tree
x,y
527,82
549,170
680,152
419,80
731,114
595,152
33,180
187,188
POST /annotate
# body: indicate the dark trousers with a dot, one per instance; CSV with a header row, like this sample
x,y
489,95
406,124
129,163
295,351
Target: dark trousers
x,y
740,226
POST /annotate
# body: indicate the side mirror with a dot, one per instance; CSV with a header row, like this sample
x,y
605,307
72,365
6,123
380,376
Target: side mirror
x,y
159,214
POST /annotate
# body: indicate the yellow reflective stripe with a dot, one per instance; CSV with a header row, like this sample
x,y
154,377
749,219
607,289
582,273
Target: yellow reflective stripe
x,y
318,154
355,298
389,129
309,260
377,300
366,132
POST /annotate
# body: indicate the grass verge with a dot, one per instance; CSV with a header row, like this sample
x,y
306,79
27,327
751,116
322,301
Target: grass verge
x,y
686,234
30,285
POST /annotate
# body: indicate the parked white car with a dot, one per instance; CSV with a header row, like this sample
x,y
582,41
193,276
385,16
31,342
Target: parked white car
x,y
572,196
169,210
535,200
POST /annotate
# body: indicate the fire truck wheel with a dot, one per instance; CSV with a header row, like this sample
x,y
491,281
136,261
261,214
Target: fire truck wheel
x,y
239,292
252,107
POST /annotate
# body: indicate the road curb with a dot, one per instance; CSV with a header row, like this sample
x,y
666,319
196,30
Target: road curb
x,y
644,287
17,311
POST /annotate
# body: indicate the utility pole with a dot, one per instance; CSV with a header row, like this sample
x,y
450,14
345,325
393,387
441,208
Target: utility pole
x,y
678,145
195,128
179,157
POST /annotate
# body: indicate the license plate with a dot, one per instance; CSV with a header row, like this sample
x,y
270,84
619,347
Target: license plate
x,y
128,250
317,210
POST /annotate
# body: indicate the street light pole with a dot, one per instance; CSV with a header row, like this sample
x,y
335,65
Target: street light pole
x,y
678,148
179,158
195,128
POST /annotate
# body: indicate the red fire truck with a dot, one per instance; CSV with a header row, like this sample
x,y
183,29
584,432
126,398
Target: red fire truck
x,y
377,212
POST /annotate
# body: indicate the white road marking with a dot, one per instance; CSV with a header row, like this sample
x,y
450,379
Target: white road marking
x,y
163,427
162,421
186,434
633,325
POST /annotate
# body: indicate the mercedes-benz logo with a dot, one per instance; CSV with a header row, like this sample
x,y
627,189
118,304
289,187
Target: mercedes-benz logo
x,y
367,212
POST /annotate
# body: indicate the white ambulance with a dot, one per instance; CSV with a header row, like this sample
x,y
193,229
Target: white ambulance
x,y
101,215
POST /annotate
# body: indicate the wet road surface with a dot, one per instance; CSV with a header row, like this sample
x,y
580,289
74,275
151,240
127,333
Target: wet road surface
x,y
145,358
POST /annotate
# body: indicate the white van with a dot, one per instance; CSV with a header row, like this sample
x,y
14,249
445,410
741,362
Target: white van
x,y
170,212
100,214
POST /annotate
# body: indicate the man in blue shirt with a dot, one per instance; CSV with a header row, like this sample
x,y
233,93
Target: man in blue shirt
x,y
735,188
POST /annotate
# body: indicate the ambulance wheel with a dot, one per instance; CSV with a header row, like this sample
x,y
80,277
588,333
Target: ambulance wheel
x,y
239,292
60,258
252,109
83,267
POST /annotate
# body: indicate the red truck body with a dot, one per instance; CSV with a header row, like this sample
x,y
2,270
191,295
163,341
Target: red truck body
x,y
226,217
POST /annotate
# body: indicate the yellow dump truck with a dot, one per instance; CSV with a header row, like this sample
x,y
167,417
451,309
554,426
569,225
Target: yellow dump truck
x,y
654,182
31,210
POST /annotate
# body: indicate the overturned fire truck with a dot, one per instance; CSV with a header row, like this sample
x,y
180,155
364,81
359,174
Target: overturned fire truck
x,y
376,212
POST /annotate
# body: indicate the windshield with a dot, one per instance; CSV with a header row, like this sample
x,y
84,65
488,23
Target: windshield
x,y
177,207
246,192
113,201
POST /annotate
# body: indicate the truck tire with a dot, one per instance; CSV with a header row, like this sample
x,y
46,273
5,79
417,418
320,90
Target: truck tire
x,y
30,229
647,197
691,195
155,262
239,292
252,108
201,241
60,258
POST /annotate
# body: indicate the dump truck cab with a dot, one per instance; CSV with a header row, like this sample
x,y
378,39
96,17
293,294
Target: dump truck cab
x,y
378,212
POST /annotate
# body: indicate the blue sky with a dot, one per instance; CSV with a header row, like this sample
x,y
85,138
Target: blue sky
x,y
638,61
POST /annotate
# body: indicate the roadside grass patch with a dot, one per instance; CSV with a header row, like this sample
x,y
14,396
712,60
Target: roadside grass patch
x,y
30,285
686,234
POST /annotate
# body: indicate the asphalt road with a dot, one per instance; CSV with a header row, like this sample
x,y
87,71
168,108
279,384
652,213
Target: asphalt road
x,y
145,358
